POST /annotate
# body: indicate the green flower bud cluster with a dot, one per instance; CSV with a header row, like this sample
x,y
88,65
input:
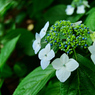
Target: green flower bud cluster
x,y
66,36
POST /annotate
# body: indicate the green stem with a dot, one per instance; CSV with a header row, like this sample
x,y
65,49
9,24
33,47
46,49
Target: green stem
x,y
78,82
77,73
61,88
75,54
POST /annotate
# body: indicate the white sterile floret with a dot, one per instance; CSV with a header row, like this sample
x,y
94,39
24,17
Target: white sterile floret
x,y
36,44
64,66
45,55
92,50
44,29
69,10
80,9
77,23
86,4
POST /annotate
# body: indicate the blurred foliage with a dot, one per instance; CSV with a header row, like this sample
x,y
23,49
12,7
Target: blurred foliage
x,y
17,58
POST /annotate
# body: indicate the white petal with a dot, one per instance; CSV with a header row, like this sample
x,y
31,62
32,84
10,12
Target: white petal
x,y
36,46
44,29
57,64
42,54
92,49
42,33
37,49
80,9
46,25
47,48
62,74
78,22
50,55
94,44
38,38
69,10
72,65
64,58
93,58
44,63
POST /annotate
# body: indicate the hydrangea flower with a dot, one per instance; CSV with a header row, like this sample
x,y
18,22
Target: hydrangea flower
x,y
64,66
45,55
36,44
69,10
80,9
44,29
92,50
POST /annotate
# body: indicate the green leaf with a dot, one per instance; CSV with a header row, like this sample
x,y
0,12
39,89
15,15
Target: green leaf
x,y
81,82
91,11
35,81
25,41
6,72
20,17
86,74
55,13
71,86
1,29
87,81
53,88
7,50
90,20
41,4
85,62
74,18
5,5
20,69
1,82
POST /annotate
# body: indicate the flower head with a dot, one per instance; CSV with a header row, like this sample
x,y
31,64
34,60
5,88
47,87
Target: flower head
x,y
64,66
36,44
46,55
80,9
44,29
92,50
69,10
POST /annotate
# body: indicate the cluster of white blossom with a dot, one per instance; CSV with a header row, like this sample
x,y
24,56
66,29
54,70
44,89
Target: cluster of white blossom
x,y
63,65
80,9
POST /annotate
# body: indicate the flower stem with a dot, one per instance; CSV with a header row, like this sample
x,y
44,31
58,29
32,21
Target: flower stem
x,y
78,83
61,88
77,74
75,54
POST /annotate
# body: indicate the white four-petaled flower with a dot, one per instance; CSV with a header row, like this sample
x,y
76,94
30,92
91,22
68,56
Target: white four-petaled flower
x,y
64,66
44,29
92,50
80,9
69,10
45,55
36,44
